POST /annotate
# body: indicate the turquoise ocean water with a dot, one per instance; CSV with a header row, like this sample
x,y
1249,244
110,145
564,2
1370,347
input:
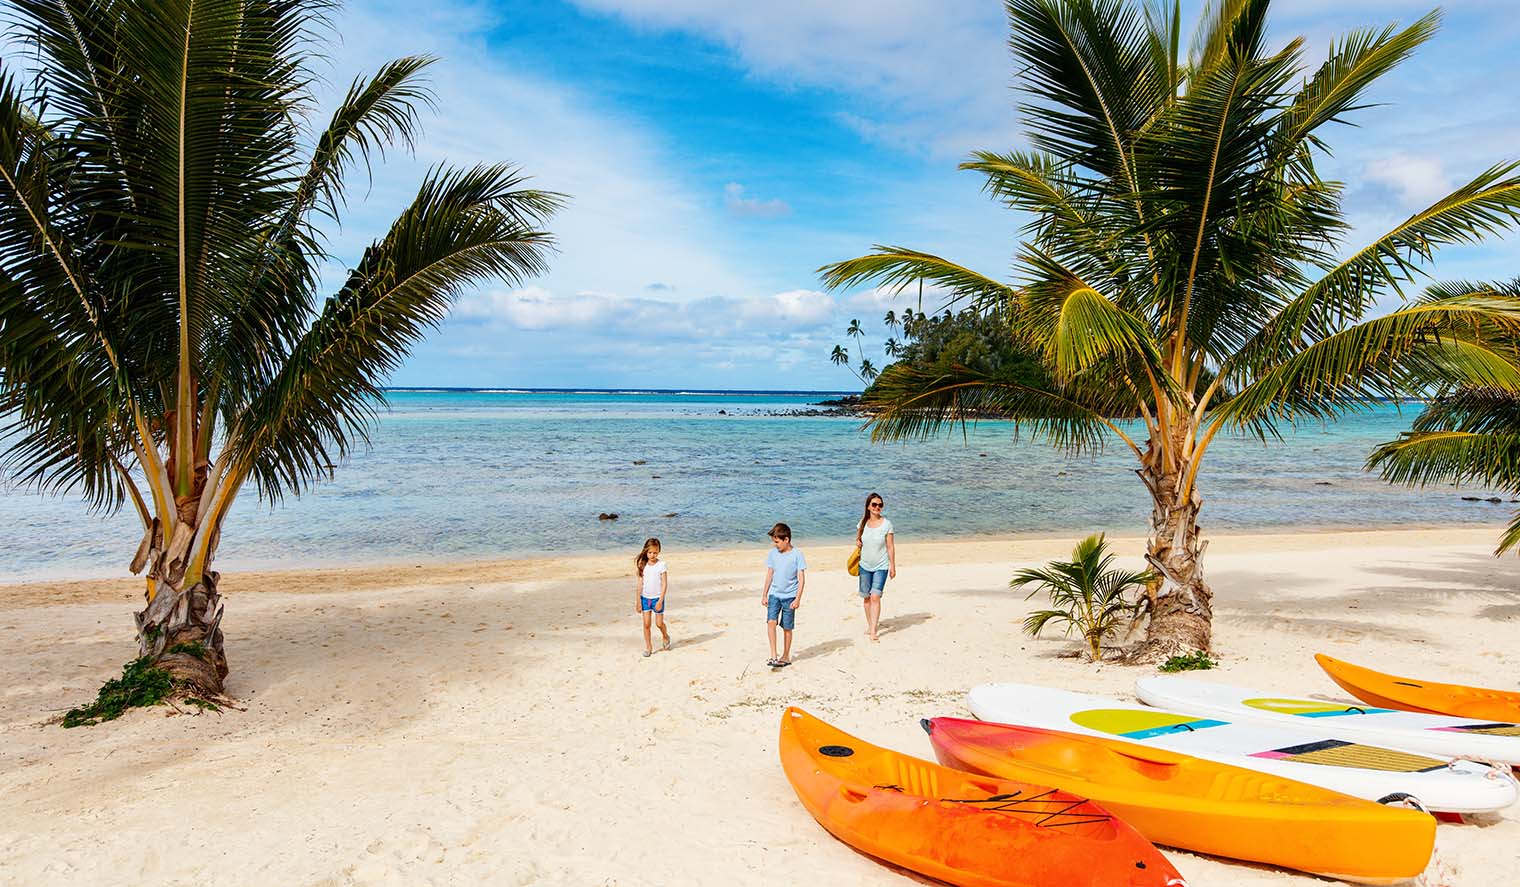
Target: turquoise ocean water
x,y
484,474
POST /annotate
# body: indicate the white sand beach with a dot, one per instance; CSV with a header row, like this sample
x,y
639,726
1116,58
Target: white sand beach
x,y
495,723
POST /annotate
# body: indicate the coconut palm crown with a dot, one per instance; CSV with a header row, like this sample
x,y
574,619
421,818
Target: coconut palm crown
x,y
1183,264
162,340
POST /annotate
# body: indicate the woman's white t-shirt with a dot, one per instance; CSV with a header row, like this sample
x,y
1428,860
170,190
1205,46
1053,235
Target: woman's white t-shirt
x,y
652,574
873,546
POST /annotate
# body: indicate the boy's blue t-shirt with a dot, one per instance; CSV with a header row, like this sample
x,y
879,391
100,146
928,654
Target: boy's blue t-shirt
x,y
784,566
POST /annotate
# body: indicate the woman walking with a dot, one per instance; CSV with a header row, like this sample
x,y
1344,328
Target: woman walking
x,y
878,560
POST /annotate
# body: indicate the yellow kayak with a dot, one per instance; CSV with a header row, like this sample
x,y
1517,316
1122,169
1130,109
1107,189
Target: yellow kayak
x,y
1409,694
1204,806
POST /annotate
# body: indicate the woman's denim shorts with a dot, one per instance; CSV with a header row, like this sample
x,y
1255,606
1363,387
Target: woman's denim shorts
x,y
872,582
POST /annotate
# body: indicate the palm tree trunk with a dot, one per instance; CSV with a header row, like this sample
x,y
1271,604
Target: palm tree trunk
x,y
179,629
1181,600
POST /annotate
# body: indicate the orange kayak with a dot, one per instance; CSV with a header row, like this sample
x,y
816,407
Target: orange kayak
x,y
1200,805
1408,694
964,829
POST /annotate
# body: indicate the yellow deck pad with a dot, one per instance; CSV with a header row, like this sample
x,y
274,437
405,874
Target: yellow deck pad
x,y
1351,754
1307,707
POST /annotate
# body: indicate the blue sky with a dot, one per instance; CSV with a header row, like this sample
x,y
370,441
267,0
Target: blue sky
x,y
716,152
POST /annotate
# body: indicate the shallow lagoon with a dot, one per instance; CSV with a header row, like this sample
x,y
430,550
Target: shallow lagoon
x,y
483,474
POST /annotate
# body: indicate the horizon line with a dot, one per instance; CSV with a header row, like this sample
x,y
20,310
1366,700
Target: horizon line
x,y
585,390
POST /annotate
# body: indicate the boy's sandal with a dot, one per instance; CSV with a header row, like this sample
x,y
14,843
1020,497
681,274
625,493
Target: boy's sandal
x,y
648,653
665,646
773,663
782,663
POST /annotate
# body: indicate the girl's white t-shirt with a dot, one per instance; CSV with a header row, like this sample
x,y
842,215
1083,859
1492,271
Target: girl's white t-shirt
x,y
652,574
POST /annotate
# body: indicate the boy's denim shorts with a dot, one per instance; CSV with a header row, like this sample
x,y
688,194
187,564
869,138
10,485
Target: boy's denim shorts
x,y
872,582
779,609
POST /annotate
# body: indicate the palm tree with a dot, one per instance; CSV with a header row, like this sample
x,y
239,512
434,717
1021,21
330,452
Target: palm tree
x,y
840,356
1470,435
1180,265
867,371
1086,594
161,338
890,320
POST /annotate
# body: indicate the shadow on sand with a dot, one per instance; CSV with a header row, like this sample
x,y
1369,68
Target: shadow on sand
x,y
894,624
818,651
679,643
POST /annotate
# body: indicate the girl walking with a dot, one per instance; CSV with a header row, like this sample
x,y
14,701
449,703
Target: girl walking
x,y
878,560
650,587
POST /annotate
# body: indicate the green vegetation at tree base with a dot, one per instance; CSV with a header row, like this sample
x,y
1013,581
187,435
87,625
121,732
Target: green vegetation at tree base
x,y
1194,661
141,684
190,648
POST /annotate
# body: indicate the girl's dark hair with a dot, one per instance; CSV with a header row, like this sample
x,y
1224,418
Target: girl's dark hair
x,y
861,530
643,559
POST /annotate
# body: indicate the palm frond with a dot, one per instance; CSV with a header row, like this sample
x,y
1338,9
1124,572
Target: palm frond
x,y
1417,458
1381,358
1483,207
1036,622
1226,28
1163,43
1088,74
260,322
1511,536
1056,575
375,114
897,267
1036,183
913,404
1357,60
60,401
1074,325
463,227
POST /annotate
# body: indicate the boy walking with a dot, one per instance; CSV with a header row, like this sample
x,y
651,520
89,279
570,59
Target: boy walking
x,y
785,578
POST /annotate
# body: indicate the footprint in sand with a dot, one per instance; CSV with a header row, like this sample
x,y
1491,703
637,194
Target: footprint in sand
x,y
403,862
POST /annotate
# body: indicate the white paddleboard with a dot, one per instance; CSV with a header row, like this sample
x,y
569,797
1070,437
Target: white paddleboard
x,y
1442,735
1371,772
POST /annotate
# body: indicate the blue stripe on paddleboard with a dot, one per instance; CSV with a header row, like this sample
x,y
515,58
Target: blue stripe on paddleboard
x,y
1185,727
1349,711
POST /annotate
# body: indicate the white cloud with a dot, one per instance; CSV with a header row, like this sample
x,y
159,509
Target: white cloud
x,y
800,307
895,51
631,218
738,204
879,300
535,335
1419,180
537,309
